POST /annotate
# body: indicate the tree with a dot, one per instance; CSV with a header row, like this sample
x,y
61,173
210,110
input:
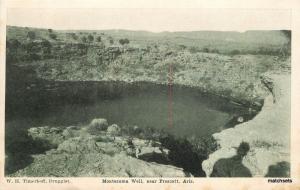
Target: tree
x,y
46,48
90,38
111,40
50,30
14,43
84,39
82,49
74,36
32,51
31,35
98,39
124,41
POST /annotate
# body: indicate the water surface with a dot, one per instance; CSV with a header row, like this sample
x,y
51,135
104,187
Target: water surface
x,y
180,110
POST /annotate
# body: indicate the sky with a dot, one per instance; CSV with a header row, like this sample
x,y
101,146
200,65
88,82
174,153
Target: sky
x,y
60,16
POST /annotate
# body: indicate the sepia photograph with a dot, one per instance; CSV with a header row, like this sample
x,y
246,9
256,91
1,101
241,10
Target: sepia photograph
x,y
147,95
124,103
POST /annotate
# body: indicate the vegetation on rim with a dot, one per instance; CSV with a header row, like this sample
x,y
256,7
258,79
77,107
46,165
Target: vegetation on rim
x,y
224,63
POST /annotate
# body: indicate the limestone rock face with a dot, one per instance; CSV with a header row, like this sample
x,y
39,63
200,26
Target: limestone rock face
x,y
82,153
52,135
96,165
267,134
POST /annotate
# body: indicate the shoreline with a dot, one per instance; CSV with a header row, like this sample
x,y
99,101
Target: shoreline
x,y
265,150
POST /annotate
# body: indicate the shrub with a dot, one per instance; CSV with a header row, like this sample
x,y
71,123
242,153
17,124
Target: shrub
x,y
53,36
46,43
235,52
206,50
204,146
90,38
111,40
84,39
98,39
31,35
124,41
46,48
74,36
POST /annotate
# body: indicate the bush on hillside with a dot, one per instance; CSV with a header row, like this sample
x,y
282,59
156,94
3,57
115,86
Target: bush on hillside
x,y
124,41
98,39
31,35
90,38
53,36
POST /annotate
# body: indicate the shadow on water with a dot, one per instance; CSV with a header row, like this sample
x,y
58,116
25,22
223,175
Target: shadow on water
x,y
281,169
233,167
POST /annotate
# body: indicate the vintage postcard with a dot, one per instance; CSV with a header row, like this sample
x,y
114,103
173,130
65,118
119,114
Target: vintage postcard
x,y
149,94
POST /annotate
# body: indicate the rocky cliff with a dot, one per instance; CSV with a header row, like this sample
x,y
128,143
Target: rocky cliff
x,y
95,150
268,134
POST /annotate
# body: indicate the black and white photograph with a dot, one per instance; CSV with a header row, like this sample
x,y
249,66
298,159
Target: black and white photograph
x,y
104,95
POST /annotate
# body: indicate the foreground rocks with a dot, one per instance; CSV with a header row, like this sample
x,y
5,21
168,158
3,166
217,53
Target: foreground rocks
x,y
77,152
268,134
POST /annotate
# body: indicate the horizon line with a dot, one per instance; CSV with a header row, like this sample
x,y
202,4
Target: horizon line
x,y
135,30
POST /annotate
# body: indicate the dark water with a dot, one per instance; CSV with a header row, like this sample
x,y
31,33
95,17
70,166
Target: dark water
x,y
180,110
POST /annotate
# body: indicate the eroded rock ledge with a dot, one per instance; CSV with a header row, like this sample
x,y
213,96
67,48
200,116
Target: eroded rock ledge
x,y
95,150
268,134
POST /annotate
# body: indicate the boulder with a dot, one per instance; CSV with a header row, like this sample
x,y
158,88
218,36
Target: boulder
x,y
113,130
97,125
52,135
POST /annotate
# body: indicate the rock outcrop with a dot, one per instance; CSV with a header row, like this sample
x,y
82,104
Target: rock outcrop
x,y
52,135
98,125
113,130
106,154
268,134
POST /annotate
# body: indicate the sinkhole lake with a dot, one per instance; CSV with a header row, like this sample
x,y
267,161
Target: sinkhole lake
x,y
180,110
